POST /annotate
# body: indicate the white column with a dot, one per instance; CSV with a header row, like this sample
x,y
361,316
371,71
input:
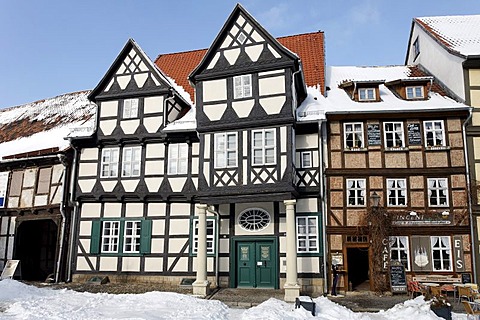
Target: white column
x,y
292,289
201,285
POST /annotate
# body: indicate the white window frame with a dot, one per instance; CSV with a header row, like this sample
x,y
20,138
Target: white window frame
x,y
110,236
414,93
359,189
109,165
177,164
394,135
226,155
306,159
264,148
131,166
130,108
442,249
397,190
134,236
366,92
211,232
435,188
356,130
434,133
307,239
242,86
399,250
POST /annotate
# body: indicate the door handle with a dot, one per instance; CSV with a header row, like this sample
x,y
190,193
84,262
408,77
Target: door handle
x,y
259,263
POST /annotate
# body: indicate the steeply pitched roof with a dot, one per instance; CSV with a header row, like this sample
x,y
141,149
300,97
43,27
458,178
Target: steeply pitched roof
x,y
459,34
42,125
308,46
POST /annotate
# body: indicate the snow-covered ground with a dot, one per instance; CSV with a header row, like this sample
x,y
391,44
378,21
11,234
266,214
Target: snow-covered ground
x,y
20,301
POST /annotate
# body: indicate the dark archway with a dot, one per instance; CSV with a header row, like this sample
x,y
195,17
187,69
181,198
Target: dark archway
x,y
35,247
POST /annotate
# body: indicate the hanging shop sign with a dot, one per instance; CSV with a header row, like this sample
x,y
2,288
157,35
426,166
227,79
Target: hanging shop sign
x,y
458,254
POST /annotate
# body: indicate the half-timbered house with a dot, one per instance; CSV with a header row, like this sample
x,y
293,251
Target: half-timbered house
x,y
393,135
35,210
232,179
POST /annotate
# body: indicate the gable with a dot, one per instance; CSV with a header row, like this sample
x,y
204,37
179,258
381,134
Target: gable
x,y
243,44
132,72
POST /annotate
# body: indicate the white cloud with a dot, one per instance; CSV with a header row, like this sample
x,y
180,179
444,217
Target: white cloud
x,y
365,12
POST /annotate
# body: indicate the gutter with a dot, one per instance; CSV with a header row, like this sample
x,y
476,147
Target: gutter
x,y
74,215
322,144
62,159
469,191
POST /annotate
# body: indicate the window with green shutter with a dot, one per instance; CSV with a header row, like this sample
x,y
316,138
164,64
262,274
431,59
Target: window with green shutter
x,y
121,236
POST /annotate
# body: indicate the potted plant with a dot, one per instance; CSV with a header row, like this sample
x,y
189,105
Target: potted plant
x,y
441,306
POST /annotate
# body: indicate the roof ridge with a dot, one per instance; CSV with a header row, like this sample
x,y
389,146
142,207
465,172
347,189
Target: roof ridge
x,y
44,99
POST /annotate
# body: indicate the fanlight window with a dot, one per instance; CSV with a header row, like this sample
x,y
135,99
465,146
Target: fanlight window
x,y
254,219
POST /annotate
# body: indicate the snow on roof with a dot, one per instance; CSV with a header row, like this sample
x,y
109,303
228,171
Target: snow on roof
x,y
44,124
337,100
186,123
458,33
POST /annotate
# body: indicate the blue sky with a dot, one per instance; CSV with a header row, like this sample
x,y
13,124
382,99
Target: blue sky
x,y
60,46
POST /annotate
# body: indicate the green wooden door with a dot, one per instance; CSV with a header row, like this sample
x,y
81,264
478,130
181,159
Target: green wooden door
x,y
264,264
255,264
246,264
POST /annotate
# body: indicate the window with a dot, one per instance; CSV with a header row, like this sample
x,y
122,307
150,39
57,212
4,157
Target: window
x,y
110,236
399,251
263,148
397,192
414,92
416,48
130,108
121,236
441,257
43,183
210,236
307,234
356,192
254,219
131,161
393,134
353,135
131,243
437,192
366,94
226,150
434,133
242,86
177,158
109,163
306,159
241,38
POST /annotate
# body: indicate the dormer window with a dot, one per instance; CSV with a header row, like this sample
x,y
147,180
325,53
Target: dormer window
x,y
366,94
415,92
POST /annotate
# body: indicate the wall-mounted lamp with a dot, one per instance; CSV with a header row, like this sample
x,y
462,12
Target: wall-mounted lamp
x,y
375,199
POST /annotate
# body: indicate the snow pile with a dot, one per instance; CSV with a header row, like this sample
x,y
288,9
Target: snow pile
x,y
20,301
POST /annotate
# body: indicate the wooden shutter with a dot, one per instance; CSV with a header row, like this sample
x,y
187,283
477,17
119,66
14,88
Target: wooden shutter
x,y
146,236
95,237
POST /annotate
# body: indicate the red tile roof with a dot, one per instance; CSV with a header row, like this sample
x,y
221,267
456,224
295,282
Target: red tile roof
x,y
308,46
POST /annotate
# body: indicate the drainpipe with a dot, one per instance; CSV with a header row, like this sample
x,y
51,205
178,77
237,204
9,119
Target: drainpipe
x,y
62,159
74,215
322,142
469,195
217,242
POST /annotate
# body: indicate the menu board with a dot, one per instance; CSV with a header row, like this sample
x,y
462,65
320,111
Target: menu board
x,y
466,278
414,134
398,279
373,135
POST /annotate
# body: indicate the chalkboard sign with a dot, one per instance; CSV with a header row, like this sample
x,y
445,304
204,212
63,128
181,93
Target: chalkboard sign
x,y
414,135
466,278
398,279
373,135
